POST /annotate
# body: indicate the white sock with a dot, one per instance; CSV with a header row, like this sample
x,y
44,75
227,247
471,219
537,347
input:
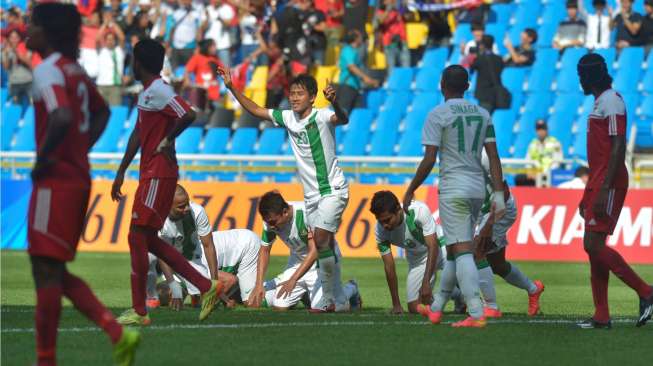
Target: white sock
x,y
467,276
338,289
516,278
486,284
327,273
152,277
447,286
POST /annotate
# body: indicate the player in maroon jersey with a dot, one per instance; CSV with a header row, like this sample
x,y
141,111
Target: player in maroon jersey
x,y
162,116
70,117
606,191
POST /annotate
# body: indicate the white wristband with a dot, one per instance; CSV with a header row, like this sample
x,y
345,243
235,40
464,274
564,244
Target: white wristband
x,y
499,202
175,289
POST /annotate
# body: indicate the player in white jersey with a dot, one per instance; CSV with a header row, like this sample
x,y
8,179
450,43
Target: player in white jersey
x,y
459,130
312,137
287,220
414,231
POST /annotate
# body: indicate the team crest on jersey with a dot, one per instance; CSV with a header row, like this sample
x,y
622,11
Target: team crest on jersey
x,y
409,243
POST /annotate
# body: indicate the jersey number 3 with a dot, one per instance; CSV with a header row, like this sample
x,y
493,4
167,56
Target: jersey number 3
x,y
460,123
82,93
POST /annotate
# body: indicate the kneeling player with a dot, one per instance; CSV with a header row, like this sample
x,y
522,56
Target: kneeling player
x,y
288,221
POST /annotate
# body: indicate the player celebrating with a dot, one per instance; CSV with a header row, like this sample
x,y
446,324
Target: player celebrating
x,y
70,117
460,130
606,191
287,221
326,193
414,231
162,116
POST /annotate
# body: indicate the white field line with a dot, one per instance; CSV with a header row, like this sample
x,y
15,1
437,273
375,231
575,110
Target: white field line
x,y
311,324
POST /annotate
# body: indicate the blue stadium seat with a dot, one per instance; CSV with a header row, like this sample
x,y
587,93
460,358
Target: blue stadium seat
x,y
630,69
25,136
428,79
527,13
567,81
400,79
517,100
588,105
388,120
216,141
10,117
513,78
374,99
270,143
107,142
647,107
463,33
189,141
545,34
243,140
498,31
131,121
504,122
631,57
501,13
554,12
632,101
543,70
580,142
610,55
383,142
644,133
4,95
359,120
455,56
426,101
525,135
560,126
415,119
538,104
567,103
435,57
647,81
398,101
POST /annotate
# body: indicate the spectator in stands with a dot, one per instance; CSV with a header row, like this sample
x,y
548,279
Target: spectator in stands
x,y
162,20
111,58
627,23
140,28
277,84
314,27
116,9
203,66
571,32
218,17
14,22
647,27
580,179
355,18
334,10
438,24
522,55
17,63
249,28
489,66
391,25
88,55
290,35
598,24
469,50
544,149
351,73
185,33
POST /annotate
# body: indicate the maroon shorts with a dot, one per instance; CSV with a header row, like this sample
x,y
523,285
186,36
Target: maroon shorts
x,y
604,223
153,201
56,220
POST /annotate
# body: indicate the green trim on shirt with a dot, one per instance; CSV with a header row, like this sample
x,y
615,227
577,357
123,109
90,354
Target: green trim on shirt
x,y
489,133
277,115
384,247
302,231
268,236
230,269
414,228
317,152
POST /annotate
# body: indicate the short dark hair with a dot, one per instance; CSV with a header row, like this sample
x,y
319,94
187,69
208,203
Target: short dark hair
x,y
383,202
351,36
150,55
572,4
487,41
478,26
532,34
272,203
581,171
307,81
204,46
455,79
61,24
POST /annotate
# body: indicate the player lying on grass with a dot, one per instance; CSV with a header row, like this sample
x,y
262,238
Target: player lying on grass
x,y
605,192
326,192
188,230
162,116
459,130
70,117
287,220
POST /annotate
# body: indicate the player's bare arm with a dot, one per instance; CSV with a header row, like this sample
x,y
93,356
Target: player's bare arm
x,y
98,122
211,254
423,171
307,263
391,278
258,293
426,292
133,145
177,301
59,121
617,156
496,173
340,117
249,105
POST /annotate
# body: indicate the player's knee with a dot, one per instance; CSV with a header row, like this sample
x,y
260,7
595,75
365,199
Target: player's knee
x,y
47,271
322,238
499,265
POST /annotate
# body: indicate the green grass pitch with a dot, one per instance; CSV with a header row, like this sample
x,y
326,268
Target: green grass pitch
x,y
370,337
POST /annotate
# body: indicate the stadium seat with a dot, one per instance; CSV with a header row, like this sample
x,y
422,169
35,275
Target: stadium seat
x,y
435,57
216,141
388,120
526,14
4,95
579,148
270,143
501,13
647,81
567,103
426,101
107,142
400,79
131,121
644,133
498,31
428,79
189,141
545,34
504,122
359,120
554,12
260,78
588,105
631,58
630,69
398,101
632,101
383,142
355,142
524,136
374,99
463,33
416,34
10,117
610,55
537,105
408,143
647,107
567,81
513,78
24,140
560,126
543,70
243,140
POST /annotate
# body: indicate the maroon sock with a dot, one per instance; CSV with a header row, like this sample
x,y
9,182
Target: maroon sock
x,y
85,301
616,263
139,262
48,311
177,262
599,279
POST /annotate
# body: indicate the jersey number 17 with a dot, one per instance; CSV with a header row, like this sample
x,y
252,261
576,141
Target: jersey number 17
x,y
460,123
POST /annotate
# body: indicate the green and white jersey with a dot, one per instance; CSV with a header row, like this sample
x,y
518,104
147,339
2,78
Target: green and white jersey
x,y
314,145
459,129
236,248
417,224
294,234
184,234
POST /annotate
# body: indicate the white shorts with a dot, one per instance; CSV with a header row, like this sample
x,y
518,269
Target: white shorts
x,y
459,217
326,212
310,283
153,276
416,275
501,227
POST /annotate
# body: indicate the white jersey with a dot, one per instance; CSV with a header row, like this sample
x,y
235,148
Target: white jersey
x,y
184,234
417,224
314,145
236,248
459,129
294,234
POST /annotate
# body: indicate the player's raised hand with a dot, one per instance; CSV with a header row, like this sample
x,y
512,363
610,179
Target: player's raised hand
x,y
330,92
286,288
225,75
116,194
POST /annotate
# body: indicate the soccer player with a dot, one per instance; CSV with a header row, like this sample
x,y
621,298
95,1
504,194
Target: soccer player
x,y
162,116
326,193
415,231
459,130
287,220
70,117
606,191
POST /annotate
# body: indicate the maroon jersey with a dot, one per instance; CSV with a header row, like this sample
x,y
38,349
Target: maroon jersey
x,y
62,83
608,118
158,108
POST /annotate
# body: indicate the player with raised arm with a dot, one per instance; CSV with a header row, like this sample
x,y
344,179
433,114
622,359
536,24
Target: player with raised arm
x,y
162,116
287,220
459,130
415,231
70,117
326,193
605,192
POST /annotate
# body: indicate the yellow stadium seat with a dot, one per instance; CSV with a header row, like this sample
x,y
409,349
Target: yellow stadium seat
x,y
377,59
322,75
259,78
331,57
416,34
259,96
